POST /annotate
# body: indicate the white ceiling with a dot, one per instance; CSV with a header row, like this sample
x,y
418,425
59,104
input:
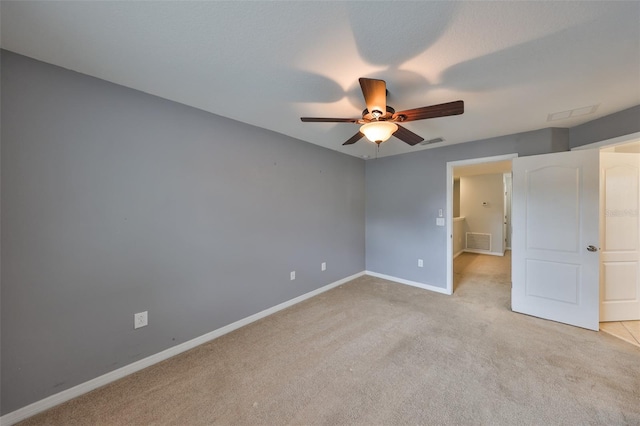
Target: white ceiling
x,y
269,63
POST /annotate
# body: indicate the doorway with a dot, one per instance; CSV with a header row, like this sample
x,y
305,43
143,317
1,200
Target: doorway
x,y
477,211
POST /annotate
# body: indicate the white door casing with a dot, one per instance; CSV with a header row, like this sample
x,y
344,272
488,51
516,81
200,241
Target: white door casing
x,y
555,223
620,236
507,209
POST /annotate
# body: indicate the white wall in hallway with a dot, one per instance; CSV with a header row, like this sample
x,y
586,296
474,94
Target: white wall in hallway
x,y
458,235
482,205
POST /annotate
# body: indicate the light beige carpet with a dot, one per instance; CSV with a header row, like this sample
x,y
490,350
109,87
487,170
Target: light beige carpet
x,y
373,352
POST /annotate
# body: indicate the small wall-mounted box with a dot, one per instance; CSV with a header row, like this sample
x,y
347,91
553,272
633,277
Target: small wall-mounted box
x,y
141,319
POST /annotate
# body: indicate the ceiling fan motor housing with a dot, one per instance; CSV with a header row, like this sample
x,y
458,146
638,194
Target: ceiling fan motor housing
x,y
377,115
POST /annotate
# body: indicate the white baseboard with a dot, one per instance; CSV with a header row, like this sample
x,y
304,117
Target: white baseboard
x,y
458,254
68,394
490,253
407,282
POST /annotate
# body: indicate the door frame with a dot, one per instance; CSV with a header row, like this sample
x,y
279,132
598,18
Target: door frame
x,y
449,207
508,198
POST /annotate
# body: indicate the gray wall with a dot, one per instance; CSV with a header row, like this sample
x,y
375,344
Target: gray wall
x,y
619,124
116,202
404,194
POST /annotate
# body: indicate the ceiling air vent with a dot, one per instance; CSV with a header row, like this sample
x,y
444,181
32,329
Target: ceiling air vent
x,y
577,112
430,141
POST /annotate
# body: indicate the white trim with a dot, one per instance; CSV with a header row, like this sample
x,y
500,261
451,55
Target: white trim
x,y
450,167
610,142
407,282
490,253
457,219
68,394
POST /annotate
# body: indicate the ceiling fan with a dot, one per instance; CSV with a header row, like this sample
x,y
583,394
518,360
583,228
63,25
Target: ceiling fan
x,y
379,121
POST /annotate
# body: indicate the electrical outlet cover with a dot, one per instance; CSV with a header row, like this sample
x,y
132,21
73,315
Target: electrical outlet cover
x,y
141,319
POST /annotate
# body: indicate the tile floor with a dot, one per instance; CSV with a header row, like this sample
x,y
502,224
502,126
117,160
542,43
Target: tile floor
x,y
625,330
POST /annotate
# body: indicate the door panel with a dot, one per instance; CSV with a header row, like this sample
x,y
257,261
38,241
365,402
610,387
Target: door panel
x,y
620,224
553,281
555,219
552,217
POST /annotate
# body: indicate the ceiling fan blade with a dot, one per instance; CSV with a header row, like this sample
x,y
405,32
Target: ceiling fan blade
x,y
433,111
355,138
407,136
375,94
328,120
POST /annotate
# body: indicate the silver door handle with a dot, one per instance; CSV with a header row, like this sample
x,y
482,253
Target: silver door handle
x,y
592,248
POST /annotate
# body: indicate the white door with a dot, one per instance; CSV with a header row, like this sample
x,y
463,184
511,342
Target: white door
x,y
555,260
620,227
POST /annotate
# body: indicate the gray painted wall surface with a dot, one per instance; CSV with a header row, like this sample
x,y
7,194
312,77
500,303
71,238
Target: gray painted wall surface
x,y
404,194
619,124
559,139
116,202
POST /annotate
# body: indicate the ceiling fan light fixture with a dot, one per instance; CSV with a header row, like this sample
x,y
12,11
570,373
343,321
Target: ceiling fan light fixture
x,y
378,131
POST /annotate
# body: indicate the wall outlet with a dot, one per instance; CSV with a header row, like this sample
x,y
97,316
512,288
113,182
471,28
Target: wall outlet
x,y
323,266
293,275
140,319
420,263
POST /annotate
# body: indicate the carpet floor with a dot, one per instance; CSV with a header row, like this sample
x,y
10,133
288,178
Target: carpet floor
x,y
374,352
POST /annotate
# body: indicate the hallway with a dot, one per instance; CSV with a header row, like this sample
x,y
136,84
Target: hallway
x,y
469,268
